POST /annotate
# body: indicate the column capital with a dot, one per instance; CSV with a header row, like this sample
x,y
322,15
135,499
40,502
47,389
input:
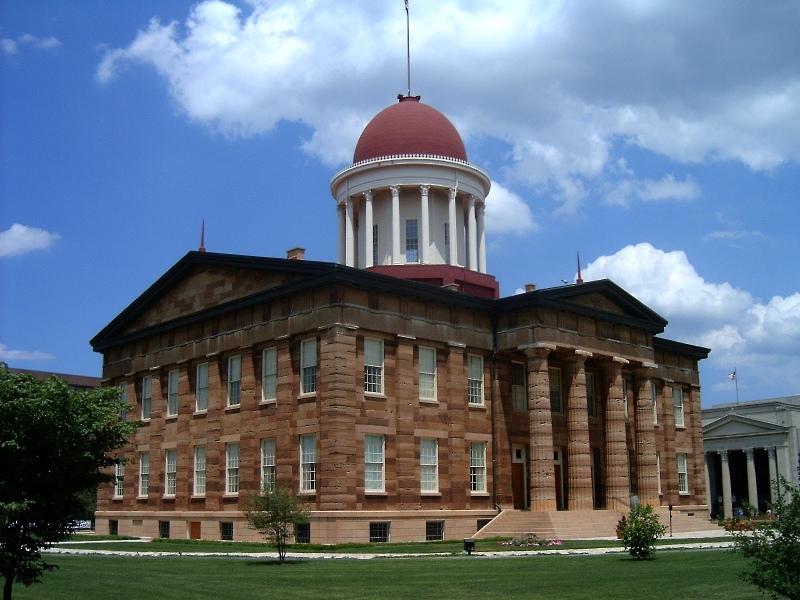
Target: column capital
x,y
368,194
425,188
451,192
395,189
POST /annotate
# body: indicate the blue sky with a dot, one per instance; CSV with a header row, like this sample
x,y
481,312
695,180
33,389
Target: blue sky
x,y
660,139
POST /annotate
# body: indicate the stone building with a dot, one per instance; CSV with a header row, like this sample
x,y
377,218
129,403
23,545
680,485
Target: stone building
x,y
395,390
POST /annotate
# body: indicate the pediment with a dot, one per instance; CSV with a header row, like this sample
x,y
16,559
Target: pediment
x,y
733,426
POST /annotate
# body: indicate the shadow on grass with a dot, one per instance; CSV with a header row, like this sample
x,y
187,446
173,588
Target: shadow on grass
x,y
274,562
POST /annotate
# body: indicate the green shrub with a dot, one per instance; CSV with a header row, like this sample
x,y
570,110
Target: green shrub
x,y
640,531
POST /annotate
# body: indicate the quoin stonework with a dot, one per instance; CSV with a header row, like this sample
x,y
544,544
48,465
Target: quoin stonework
x,y
395,389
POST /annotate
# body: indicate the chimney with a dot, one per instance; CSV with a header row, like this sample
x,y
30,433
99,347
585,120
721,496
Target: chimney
x,y
296,254
530,287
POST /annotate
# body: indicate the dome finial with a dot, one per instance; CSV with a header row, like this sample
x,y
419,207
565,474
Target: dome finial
x,y
408,47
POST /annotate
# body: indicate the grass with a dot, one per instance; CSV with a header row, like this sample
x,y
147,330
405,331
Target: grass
x,y
706,574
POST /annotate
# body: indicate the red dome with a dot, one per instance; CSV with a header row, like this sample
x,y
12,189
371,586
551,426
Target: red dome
x,y
409,127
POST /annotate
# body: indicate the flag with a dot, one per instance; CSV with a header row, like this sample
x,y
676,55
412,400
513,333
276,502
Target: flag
x,y
732,375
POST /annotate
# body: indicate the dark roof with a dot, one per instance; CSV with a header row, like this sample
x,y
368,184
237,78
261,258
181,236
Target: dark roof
x,y
77,381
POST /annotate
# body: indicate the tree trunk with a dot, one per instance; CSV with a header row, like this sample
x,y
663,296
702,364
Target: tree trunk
x,y
7,587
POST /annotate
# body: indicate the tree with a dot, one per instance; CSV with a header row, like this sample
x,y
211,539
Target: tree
x,y
774,546
56,445
273,513
640,531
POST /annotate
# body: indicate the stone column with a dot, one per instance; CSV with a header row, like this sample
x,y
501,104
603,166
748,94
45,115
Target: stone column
x,y
752,485
340,209
395,189
424,224
452,259
617,483
727,504
481,238
646,468
472,236
368,240
350,259
542,474
579,473
773,472
707,471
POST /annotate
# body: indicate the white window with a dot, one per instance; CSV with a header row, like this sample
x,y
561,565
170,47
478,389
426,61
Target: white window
x,y
475,378
308,367
447,243
373,463
172,393
119,487
373,366
201,391
269,374
658,470
147,397
519,392
308,463
199,471
171,472
123,397
234,380
683,475
412,241
591,398
556,405
375,244
654,395
427,373
429,465
477,466
232,468
144,473
677,397
267,465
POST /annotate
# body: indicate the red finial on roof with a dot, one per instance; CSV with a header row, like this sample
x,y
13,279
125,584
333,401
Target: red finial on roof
x,y
203,237
580,279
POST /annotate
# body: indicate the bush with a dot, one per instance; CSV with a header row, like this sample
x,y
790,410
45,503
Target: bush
x,y
640,531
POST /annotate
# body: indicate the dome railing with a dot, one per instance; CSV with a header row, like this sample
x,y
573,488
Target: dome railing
x,y
437,157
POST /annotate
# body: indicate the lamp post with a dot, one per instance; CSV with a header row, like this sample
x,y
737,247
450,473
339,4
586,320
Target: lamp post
x,y
670,520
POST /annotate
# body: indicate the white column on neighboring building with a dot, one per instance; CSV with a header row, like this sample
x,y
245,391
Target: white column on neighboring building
x,y
472,235
726,485
342,233
424,238
481,237
395,224
368,229
752,485
350,259
773,472
451,215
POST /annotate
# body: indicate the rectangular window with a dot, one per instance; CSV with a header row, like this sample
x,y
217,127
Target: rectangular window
x,y
269,374
477,466
308,463
412,241
172,393
429,465
234,380
147,397
427,373
226,531
201,391
677,397
123,397
434,531
683,475
374,463
379,532
171,472
654,396
113,527
119,485
373,366
163,529
556,405
375,244
302,533
446,244
308,367
232,468
144,473
199,471
519,392
475,378
267,465
658,470
591,398
625,397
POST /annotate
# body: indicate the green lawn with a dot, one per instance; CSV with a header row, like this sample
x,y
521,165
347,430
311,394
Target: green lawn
x,y
673,574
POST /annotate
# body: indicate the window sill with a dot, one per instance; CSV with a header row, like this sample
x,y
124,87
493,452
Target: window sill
x,y
200,413
431,494
171,418
168,497
430,401
479,494
230,496
307,397
374,396
195,498
376,494
142,498
233,407
117,498
268,402
307,493
477,406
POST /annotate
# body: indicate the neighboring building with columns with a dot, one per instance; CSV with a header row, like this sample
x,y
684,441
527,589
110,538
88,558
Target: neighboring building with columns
x,y
395,390
748,446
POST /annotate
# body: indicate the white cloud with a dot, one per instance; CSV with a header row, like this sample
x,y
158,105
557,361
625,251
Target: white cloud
x,y
20,239
506,212
42,43
8,46
624,191
8,354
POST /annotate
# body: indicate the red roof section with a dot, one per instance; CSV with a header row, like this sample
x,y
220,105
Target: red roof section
x,y
406,128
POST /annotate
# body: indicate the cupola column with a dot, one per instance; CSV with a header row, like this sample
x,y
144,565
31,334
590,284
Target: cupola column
x,y
424,224
342,233
472,237
350,259
481,237
451,215
368,240
395,224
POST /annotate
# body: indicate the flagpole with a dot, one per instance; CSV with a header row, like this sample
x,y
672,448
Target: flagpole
x,y
408,48
735,378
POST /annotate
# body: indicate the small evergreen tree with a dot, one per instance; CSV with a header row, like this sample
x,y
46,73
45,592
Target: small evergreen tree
x,y
274,513
774,546
640,532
